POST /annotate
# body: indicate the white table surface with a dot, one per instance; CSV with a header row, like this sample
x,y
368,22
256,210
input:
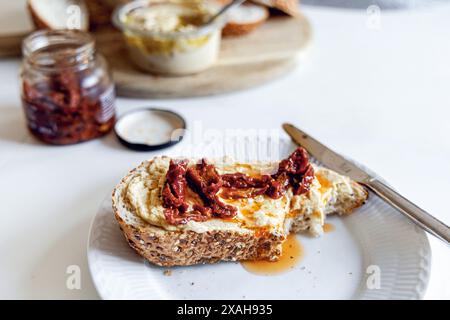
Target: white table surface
x,y
379,96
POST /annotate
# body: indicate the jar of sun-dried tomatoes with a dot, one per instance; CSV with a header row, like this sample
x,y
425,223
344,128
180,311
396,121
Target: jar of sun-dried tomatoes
x,y
67,92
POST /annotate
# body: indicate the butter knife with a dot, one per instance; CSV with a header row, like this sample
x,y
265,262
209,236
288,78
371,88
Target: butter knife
x,y
336,162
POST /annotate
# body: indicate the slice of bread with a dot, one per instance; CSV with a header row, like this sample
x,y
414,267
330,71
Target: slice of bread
x,y
191,244
255,233
245,19
59,14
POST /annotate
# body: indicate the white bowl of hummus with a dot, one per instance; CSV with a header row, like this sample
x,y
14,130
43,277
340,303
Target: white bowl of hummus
x,y
169,37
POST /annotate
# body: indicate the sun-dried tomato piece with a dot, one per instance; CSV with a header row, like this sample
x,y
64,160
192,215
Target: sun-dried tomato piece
x,y
206,182
241,181
295,171
305,184
174,190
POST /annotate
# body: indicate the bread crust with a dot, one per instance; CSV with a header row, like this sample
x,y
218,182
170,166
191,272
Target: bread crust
x,y
239,29
232,29
172,248
36,19
40,23
183,248
357,199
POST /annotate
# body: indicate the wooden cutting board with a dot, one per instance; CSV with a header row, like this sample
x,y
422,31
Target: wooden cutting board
x,y
267,53
247,61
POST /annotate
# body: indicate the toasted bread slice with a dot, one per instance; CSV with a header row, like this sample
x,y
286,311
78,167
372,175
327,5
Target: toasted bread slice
x,y
244,19
59,14
255,233
241,20
193,243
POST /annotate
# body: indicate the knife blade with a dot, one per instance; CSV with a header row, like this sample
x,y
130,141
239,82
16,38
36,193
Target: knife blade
x,y
329,158
338,163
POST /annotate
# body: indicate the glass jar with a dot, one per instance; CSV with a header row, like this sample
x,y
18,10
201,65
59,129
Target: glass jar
x,y
67,92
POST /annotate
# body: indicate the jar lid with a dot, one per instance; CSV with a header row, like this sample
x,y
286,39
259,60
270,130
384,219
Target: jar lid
x,y
150,129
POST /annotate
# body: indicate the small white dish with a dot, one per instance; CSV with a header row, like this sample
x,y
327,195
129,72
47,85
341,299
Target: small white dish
x,y
150,129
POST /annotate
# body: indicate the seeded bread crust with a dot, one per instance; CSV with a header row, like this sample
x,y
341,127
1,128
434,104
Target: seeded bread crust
x,y
40,22
170,248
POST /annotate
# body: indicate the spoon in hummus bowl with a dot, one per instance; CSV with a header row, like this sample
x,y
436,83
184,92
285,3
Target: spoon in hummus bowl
x,y
224,10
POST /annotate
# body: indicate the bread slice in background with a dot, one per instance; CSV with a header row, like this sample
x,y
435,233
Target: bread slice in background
x,y
137,206
191,244
245,19
290,7
59,14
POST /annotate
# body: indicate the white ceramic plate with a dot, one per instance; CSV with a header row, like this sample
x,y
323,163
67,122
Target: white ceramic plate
x,y
374,241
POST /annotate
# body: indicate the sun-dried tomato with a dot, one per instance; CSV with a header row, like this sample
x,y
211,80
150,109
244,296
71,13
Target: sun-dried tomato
x,y
206,182
59,111
295,171
203,179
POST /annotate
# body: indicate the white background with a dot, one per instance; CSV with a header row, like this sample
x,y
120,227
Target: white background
x,y
380,96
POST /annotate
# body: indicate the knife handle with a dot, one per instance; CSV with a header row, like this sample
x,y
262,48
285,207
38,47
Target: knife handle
x,y
409,209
